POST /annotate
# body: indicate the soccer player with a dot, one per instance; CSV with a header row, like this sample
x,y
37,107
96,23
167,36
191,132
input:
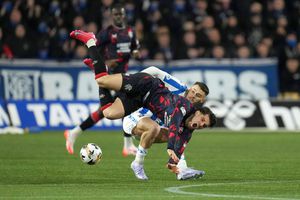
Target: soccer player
x,y
143,90
143,123
117,43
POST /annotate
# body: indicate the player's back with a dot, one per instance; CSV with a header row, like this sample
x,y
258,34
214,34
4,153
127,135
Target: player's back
x,y
163,103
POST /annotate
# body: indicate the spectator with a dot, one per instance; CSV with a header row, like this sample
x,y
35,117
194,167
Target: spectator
x,y
290,79
239,40
5,51
231,29
256,31
92,27
189,49
202,30
290,49
243,52
218,52
199,11
80,52
164,50
143,39
20,45
262,51
227,23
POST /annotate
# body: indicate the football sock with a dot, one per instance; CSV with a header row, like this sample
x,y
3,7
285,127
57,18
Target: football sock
x,y
76,130
98,61
182,163
90,121
140,155
90,43
127,141
74,133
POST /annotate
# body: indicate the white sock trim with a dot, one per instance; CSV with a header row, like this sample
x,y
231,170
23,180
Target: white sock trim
x,y
91,42
76,130
140,155
142,150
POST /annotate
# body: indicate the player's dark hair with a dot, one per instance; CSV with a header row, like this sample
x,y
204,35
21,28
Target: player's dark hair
x,y
117,6
206,111
203,87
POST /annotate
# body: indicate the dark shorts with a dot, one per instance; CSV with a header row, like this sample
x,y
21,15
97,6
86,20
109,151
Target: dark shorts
x,y
134,89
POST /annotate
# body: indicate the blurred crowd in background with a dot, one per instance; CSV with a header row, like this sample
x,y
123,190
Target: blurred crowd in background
x,y
167,30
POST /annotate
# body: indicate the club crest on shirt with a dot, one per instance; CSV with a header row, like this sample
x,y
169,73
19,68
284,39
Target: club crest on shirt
x,y
128,87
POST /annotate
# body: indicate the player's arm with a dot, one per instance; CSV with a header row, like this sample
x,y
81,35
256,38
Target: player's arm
x,y
174,127
135,45
180,145
102,40
173,84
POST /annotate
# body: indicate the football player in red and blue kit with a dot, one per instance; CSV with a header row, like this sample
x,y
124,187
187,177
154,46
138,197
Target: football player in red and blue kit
x,y
117,43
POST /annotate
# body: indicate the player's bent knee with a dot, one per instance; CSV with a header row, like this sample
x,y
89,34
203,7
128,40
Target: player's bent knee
x,y
102,81
112,114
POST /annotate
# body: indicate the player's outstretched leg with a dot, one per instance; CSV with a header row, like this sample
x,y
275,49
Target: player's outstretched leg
x,y
89,40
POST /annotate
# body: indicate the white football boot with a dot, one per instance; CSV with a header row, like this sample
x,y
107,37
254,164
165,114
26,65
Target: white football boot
x,y
189,173
138,170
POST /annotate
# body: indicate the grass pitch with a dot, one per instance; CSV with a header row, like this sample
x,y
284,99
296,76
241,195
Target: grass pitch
x,y
238,166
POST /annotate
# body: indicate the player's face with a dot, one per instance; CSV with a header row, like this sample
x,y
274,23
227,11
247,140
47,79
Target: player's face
x,y
195,94
199,121
118,16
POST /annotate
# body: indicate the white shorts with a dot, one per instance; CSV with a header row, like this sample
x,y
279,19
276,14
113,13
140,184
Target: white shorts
x,y
130,121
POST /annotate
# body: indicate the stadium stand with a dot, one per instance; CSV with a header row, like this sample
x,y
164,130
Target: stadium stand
x,y
167,30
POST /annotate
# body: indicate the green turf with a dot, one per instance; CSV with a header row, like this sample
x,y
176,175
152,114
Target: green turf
x,y
237,165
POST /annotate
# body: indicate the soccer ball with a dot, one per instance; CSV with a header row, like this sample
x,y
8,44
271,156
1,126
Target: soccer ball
x,y
91,154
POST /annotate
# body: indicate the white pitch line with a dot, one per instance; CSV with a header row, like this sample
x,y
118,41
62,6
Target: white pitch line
x,y
178,190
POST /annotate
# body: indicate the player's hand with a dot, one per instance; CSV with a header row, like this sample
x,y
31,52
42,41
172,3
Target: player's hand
x,y
173,168
173,155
